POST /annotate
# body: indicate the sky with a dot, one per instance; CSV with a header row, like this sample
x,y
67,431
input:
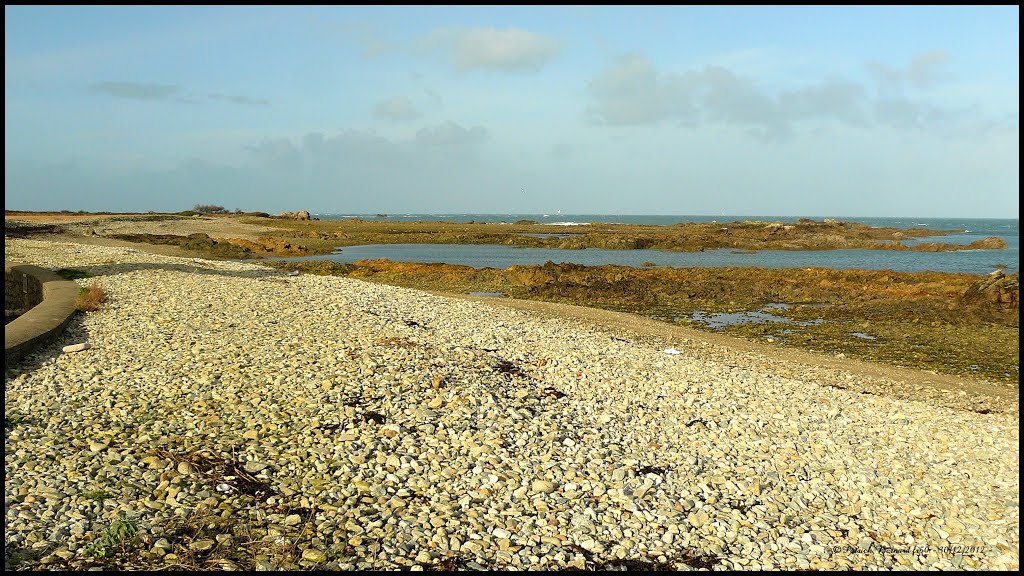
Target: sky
x,y
731,110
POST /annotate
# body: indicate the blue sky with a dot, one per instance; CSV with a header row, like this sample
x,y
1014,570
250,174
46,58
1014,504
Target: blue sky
x,y
801,110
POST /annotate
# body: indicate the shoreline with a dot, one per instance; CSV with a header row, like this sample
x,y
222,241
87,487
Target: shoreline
x,y
383,427
295,234
670,335
980,342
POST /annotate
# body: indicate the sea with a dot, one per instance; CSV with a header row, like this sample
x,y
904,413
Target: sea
x,y
965,231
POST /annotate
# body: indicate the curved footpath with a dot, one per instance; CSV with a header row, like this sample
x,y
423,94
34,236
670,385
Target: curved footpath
x,y
379,427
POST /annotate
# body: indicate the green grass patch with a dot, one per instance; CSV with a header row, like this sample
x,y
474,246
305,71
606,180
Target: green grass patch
x,y
115,538
97,495
72,274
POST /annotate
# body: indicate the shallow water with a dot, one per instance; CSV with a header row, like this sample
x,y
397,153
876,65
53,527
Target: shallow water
x,y
723,319
495,256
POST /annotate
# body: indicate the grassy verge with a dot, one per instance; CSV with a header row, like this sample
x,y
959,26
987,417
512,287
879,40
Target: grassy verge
x,y
72,274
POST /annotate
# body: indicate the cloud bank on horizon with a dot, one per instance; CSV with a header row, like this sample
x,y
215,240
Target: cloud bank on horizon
x,y
840,110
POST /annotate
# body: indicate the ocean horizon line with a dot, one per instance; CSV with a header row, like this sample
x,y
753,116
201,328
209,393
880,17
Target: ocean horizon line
x,y
550,214
571,219
653,215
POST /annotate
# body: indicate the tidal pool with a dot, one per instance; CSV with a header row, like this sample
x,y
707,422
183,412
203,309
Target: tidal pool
x,y
722,319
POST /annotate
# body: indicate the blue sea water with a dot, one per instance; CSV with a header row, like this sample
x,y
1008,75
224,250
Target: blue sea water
x,y
493,256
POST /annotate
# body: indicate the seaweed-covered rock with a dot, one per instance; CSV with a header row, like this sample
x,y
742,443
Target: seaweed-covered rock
x,y
990,243
997,289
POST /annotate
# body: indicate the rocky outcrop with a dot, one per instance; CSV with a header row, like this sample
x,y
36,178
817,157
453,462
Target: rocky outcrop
x,y
998,290
300,215
269,245
990,243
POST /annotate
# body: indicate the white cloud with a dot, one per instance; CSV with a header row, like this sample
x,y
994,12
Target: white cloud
x,y
150,91
399,109
510,50
831,98
450,134
631,91
729,98
362,151
135,90
435,98
924,71
278,154
240,99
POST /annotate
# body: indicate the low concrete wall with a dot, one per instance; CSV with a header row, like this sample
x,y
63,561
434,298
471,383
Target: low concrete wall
x,y
49,304
21,291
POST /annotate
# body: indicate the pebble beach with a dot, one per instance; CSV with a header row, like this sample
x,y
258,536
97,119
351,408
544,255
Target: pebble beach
x,y
324,422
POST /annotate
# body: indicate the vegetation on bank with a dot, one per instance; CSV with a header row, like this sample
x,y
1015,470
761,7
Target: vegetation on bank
x,y
218,249
90,299
72,274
